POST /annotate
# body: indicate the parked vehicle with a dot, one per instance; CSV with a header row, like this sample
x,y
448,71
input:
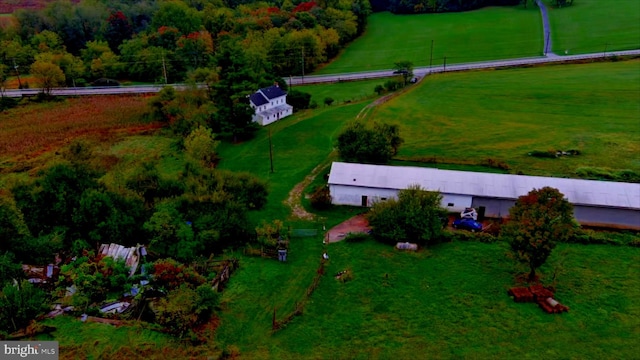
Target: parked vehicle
x,y
467,224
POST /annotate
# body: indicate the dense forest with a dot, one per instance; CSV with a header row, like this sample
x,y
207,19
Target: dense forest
x,y
164,41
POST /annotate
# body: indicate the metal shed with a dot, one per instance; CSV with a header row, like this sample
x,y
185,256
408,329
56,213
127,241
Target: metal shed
x,y
599,203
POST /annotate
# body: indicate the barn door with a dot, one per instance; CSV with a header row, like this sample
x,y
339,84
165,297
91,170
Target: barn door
x,y
365,203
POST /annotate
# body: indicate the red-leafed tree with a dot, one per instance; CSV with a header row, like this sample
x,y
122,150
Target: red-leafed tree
x,y
118,30
536,223
304,6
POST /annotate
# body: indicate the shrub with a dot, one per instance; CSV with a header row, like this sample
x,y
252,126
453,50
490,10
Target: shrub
x,y
7,103
356,237
415,216
597,173
587,236
392,85
299,100
170,274
19,304
543,154
94,278
321,198
468,236
184,308
497,164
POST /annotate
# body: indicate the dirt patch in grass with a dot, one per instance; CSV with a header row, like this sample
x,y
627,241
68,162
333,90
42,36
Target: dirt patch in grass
x,y
357,224
295,195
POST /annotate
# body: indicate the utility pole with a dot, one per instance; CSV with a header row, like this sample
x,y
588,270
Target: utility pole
x,y
15,67
270,151
444,69
164,69
431,57
302,63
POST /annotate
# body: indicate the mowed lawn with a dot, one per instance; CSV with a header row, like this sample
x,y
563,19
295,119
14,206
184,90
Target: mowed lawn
x,y
299,144
485,34
503,115
595,26
449,301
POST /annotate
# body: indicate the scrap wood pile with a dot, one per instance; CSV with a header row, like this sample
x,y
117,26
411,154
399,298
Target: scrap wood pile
x,y
540,295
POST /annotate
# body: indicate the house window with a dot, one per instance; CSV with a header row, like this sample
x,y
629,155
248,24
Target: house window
x,y
450,204
383,199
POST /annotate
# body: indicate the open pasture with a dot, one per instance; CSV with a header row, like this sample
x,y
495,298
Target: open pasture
x,y
480,35
448,301
590,26
504,115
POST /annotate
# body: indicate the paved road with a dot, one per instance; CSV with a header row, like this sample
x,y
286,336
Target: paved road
x,y
423,71
316,79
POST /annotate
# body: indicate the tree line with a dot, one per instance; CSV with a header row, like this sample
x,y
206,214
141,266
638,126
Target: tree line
x,y
435,6
167,40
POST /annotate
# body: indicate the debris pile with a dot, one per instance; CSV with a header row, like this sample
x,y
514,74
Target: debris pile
x,y
540,295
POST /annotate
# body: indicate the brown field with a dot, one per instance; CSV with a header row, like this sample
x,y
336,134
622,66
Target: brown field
x,y
28,132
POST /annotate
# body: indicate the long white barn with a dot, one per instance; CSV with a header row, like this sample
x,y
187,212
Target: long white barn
x,y
596,203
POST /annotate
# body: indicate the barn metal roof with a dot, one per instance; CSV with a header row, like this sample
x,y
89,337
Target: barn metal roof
x,y
506,186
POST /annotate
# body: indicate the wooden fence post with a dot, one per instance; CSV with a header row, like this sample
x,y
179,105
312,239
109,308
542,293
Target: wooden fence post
x,y
273,323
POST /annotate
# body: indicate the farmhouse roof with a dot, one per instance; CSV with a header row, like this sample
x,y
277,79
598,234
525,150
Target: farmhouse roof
x,y
506,186
258,99
262,96
272,92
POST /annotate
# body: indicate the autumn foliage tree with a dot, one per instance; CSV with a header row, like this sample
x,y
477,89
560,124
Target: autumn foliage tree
x,y
536,222
49,75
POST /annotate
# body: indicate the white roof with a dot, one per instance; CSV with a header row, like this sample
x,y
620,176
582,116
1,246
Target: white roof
x,y
582,192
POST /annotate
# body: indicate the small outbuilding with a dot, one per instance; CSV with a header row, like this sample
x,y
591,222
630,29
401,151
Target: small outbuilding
x,y
270,105
596,203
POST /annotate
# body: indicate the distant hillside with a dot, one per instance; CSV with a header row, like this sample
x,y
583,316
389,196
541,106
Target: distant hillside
x,y
9,6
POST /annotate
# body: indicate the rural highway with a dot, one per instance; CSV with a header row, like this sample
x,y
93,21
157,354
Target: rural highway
x,y
317,79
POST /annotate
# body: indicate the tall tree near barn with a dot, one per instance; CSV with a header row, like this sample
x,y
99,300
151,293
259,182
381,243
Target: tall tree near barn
x,y
536,223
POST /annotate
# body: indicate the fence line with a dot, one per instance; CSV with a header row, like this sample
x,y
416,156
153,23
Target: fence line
x,y
299,306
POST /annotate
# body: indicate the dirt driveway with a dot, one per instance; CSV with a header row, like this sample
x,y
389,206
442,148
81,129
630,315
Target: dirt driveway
x,y
357,224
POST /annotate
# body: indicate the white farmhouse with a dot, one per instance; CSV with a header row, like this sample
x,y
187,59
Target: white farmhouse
x,y
270,105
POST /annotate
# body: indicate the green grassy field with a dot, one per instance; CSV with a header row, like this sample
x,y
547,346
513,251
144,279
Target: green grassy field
x,y
341,92
300,143
485,34
595,26
504,115
446,302
449,301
